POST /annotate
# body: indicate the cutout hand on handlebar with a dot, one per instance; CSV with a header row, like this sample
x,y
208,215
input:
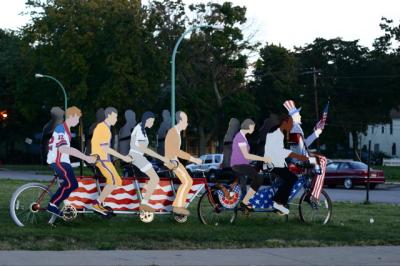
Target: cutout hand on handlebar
x,y
91,159
172,164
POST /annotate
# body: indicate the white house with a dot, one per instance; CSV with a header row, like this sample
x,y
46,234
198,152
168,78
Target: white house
x,y
384,137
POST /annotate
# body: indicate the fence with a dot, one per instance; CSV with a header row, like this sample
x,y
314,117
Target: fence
x,y
391,162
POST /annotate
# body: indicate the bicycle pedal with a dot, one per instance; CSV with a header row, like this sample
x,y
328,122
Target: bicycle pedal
x,y
110,211
278,212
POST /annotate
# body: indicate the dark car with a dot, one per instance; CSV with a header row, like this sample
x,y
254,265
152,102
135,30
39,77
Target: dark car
x,y
351,173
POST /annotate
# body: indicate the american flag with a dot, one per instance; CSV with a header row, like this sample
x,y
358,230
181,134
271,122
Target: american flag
x,y
321,123
125,197
318,181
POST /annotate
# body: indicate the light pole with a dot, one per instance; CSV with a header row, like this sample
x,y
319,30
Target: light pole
x,y
37,75
173,64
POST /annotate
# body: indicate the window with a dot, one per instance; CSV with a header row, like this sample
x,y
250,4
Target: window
x,y
359,165
218,158
391,128
376,147
332,166
208,159
344,166
383,129
394,149
372,129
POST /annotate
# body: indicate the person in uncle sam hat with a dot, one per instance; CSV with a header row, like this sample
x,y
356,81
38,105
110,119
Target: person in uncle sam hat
x,y
299,144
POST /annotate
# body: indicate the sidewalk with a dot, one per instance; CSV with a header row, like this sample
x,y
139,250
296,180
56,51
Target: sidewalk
x,y
332,256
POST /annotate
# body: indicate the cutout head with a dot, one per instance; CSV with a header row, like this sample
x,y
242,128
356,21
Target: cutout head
x,y
111,115
181,120
130,116
248,126
166,115
73,115
57,114
286,124
293,111
148,119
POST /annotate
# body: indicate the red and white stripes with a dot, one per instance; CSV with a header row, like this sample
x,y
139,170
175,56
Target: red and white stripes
x,y
125,198
319,179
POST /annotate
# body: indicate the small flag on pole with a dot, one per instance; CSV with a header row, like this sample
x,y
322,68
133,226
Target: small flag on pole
x,y
321,123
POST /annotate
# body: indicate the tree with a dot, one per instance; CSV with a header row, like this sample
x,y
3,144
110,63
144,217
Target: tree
x,y
211,71
275,79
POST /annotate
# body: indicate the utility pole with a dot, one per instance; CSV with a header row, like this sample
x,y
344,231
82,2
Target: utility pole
x,y
315,73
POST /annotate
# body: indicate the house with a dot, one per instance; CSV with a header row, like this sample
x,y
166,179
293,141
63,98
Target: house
x,y
384,137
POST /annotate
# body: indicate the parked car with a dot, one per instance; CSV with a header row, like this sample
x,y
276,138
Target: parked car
x,y
351,173
211,164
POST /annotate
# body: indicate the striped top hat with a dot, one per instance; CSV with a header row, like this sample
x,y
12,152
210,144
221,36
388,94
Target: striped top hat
x,y
291,107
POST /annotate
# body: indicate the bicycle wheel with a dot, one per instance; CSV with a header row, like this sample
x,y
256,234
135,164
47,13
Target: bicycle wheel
x,y
214,214
28,205
315,212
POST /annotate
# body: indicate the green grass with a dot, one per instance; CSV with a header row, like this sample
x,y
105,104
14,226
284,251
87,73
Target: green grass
x,y
392,173
350,225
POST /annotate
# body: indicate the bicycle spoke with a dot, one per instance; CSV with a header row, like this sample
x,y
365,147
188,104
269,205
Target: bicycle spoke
x,y
27,204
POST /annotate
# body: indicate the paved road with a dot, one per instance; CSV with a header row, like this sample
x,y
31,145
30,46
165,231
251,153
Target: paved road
x,y
360,256
383,193
23,175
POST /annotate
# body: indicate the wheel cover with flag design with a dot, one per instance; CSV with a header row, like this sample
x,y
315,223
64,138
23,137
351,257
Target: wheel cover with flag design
x,y
233,200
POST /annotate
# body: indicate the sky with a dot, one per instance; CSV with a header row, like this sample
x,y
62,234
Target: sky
x,y
285,22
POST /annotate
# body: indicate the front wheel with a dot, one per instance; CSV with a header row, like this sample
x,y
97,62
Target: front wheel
x,y
315,211
212,213
28,205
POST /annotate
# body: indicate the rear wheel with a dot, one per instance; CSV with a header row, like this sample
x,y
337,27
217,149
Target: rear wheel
x,y
28,205
318,212
213,213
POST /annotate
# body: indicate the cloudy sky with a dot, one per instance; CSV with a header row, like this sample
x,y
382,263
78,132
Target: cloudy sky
x,y
286,22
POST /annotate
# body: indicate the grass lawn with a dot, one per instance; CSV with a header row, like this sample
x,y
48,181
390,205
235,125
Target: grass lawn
x,y
350,225
392,173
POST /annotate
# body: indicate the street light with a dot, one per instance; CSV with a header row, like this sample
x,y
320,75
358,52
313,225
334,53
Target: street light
x,y
37,75
3,115
216,27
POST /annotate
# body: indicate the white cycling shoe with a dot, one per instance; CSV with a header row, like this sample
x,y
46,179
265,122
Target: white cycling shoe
x,y
281,208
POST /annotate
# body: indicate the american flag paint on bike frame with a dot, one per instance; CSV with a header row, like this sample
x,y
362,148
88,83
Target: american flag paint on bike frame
x,y
125,197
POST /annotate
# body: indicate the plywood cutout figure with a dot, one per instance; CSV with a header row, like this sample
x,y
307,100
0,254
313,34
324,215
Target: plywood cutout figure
x,y
124,135
300,144
99,118
101,147
162,131
139,143
57,118
173,152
